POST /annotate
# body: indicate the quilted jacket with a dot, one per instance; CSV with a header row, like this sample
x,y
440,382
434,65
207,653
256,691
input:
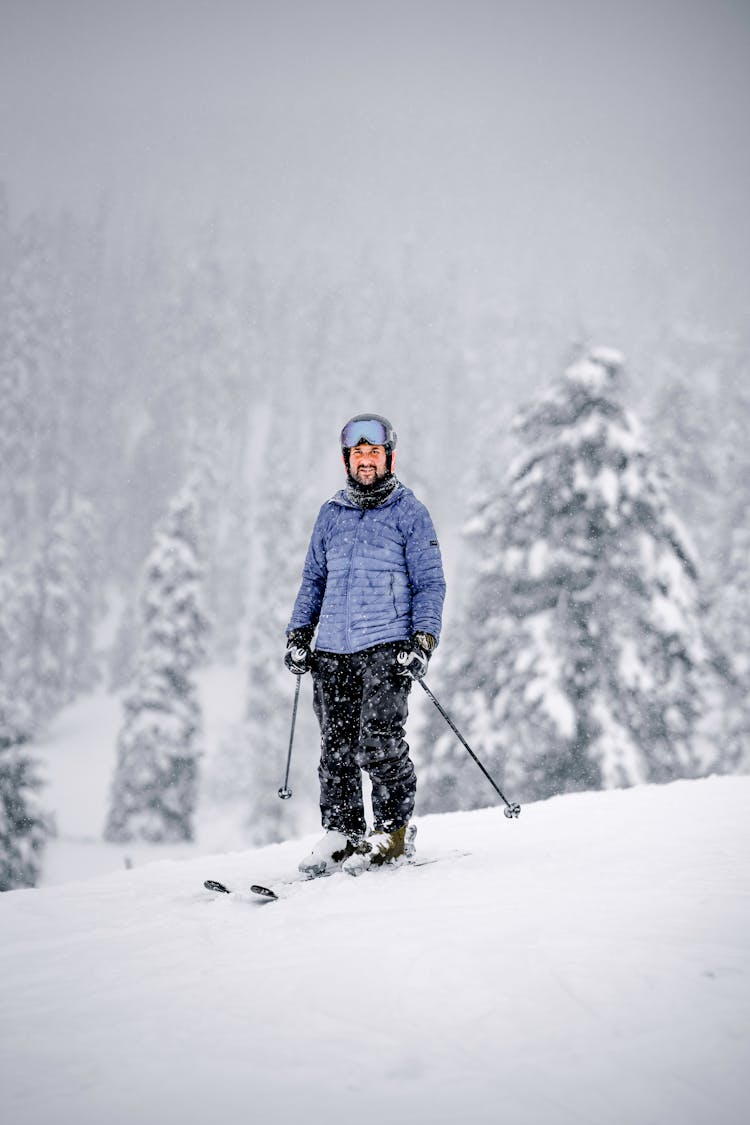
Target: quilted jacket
x,y
371,575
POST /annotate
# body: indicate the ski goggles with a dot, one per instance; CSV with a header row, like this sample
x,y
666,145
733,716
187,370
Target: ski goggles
x,y
373,431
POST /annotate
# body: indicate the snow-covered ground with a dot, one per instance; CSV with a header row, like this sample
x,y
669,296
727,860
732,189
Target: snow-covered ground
x,y
77,755
587,963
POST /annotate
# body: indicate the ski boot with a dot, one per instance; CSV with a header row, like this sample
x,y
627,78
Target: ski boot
x,y
331,850
382,847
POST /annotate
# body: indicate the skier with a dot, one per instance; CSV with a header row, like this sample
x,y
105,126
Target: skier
x,y
373,586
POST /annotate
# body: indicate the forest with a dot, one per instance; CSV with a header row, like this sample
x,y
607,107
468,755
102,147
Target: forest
x,y
169,429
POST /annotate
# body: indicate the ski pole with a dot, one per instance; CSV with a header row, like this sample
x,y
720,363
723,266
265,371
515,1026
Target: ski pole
x,y
285,792
512,809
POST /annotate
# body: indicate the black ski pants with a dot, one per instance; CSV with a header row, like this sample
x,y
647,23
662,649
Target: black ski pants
x,y
361,703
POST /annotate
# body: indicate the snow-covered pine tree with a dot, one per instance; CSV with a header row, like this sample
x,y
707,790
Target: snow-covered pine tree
x,y
24,827
580,650
270,687
16,665
249,767
24,362
211,370
155,784
729,617
65,588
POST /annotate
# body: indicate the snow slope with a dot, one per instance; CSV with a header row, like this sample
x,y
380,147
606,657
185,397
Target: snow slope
x,y
77,757
587,963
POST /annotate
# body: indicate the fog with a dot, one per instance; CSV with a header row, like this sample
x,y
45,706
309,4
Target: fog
x,y
589,158
227,226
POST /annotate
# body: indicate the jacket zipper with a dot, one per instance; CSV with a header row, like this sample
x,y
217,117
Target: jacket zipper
x,y
349,580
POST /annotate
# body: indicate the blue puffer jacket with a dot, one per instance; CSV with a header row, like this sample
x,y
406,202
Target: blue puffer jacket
x,y
371,575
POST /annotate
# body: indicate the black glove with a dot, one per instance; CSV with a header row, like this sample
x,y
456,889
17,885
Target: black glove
x,y
413,660
298,656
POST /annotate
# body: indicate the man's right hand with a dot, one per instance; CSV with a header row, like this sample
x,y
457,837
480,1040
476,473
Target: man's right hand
x,y
298,656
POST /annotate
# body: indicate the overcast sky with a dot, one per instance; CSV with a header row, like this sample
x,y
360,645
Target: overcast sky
x,y
587,148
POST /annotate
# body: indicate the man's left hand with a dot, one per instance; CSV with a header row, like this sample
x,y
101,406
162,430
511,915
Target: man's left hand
x,y
414,660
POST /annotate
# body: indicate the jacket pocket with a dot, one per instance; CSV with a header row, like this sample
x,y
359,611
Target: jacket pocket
x,y
400,596
393,594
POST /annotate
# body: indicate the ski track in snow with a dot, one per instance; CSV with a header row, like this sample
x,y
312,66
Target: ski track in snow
x,y
587,963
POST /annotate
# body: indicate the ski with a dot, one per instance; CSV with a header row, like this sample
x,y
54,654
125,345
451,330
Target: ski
x,y
262,892
272,895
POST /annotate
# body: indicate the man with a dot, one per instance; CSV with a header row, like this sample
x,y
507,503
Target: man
x,y
373,586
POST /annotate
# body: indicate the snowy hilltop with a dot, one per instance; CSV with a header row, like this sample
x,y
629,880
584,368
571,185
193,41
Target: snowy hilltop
x,y
588,962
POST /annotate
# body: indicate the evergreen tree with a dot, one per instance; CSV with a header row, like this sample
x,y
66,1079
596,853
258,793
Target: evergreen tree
x,y
250,765
729,725
270,688
18,720
64,605
581,649
24,365
15,709
24,828
155,784
701,409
